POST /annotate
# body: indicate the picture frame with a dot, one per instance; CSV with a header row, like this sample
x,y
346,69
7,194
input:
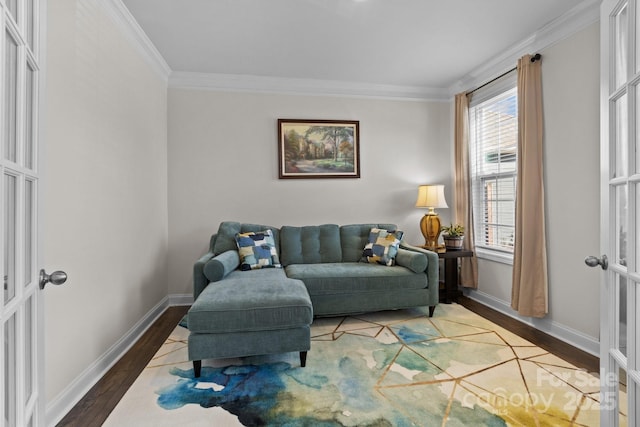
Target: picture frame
x,y
318,149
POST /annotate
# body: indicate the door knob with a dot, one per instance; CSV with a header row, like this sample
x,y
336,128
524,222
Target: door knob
x,y
593,261
55,278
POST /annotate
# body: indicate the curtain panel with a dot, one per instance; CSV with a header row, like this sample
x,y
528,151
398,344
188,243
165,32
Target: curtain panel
x,y
463,202
529,295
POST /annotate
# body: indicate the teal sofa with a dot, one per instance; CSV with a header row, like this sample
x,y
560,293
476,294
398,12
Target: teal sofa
x,y
240,313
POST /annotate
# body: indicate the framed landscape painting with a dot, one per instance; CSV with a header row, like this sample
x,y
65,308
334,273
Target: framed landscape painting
x,y
318,148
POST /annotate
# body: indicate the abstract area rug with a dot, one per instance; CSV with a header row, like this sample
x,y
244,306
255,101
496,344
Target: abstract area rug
x,y
397,368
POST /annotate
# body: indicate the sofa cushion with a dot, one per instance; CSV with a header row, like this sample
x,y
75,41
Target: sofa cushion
x,y
383,246
257,250
355,236
310,244
226,235
251,301
351,277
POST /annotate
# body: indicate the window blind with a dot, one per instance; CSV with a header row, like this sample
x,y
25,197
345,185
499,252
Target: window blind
x,y
493,152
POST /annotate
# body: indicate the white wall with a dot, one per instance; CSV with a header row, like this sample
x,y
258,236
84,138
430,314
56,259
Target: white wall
x,y
223,166
572,113
570,83
105,179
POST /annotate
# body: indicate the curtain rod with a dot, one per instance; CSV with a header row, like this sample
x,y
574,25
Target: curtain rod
x,y
534,58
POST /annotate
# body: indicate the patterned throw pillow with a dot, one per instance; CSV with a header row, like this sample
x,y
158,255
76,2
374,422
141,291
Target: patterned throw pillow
x,y
383,246
257,250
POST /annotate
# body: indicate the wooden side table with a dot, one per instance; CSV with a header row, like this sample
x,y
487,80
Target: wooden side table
x,y
451,273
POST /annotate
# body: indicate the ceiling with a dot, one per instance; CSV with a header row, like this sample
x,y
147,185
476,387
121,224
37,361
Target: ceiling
x,y
412,43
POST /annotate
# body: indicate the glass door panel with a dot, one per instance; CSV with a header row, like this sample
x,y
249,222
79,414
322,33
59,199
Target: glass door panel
x,y
637,227
29,24
12,5
10,367
29,116
10,97
623,408
637,135
621,32
621,225
637,332
29,226
29,353
622,314
636,24
621,152
10,188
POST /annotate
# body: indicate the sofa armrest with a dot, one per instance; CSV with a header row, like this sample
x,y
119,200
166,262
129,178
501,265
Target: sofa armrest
x,y
200,281
432,270
414,261
218,267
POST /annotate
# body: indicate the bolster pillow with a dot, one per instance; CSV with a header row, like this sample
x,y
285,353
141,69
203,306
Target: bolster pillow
x,y
219,266
414,261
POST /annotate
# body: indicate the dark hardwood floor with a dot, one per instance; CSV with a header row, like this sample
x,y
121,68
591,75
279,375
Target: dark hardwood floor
x,y
94,408
571,354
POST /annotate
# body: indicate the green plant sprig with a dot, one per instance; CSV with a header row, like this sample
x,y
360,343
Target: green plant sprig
x,y
452,230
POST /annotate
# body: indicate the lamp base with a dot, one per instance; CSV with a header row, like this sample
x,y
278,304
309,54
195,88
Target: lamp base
x,y
430,228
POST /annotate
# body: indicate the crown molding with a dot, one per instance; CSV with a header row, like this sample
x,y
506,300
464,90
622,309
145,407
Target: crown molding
x,y
250,83
575,20
578,18
132,30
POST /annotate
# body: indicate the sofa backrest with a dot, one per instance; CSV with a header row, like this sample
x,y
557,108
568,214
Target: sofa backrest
x,y
354,237
310,244
226,236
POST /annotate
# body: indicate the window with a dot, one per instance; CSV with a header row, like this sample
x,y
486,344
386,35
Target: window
x,y
493,146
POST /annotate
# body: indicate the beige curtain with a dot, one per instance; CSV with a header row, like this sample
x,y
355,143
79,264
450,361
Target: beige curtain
x,y
530,287
463,204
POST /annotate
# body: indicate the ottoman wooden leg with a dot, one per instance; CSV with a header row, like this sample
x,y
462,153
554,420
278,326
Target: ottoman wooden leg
x,y
303,358
197,367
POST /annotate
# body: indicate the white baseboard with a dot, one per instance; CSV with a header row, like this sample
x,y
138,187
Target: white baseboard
x,y
71,395
576,338
180,299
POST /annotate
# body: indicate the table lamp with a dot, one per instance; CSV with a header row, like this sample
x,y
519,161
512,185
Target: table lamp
x,y
431,197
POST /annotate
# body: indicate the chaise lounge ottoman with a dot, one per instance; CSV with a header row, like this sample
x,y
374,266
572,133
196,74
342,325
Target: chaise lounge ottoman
x,y
250,313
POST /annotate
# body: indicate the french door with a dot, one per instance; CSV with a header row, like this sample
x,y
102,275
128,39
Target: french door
x,y
620,213
20,305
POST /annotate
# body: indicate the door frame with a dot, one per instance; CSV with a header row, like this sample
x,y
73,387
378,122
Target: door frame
x,y
26,305
612,359
43,419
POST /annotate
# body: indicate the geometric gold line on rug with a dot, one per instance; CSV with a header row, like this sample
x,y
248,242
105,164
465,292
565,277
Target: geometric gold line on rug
x,y
170,353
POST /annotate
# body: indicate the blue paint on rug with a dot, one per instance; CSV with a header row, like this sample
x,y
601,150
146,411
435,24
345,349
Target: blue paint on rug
x,y
246,391
410,336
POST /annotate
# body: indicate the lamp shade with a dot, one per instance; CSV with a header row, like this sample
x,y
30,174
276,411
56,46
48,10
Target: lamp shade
x,y
431,196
